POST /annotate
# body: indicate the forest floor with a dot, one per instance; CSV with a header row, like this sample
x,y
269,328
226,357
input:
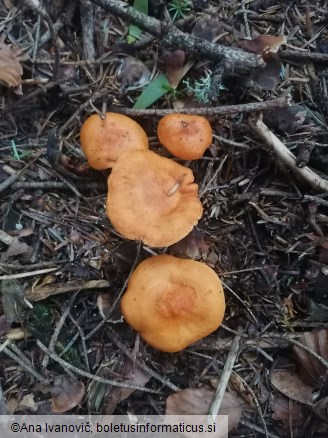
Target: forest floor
x,y
263,185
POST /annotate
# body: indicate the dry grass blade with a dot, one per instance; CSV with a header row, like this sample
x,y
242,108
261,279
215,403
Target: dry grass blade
x,y
10,68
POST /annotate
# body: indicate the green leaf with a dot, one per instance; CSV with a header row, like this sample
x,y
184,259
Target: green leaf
x,y
152,92
135,31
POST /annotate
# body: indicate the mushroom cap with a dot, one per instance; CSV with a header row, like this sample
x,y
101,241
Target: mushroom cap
x,y
173,302
103,141
186,136
153,199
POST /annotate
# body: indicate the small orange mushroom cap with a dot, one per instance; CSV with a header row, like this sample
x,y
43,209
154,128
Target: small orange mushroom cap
x,y
186,136
103,141
153,199
173,302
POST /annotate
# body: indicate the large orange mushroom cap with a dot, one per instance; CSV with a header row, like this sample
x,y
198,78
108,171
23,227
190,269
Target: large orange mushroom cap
x,y
173,302
104,140
153,199
186,136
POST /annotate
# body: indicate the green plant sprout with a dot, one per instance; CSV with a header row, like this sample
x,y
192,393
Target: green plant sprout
x,y
201,88
179,8
14,149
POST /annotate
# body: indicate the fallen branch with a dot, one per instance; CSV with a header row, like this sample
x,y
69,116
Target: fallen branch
x,y
224,379
272,143
280,102
293,55
68,366
171,36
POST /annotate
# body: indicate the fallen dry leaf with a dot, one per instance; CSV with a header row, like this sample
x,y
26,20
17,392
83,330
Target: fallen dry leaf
x,y
285,411
104,303
67,392
290,384
133,73
175,66
322,241
10,68
310,369
16,248
317,311
4,325
321,408
107,397
71,166
132,374
268,77
27,402
9,3
286,120
264,44
192,246
12,297
267,46
197,401
241,389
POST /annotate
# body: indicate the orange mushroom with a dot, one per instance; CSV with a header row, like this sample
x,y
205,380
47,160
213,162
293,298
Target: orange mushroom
x,y
153,199
185,136
104,140
173,302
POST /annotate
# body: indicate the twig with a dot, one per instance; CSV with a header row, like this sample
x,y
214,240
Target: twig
x,y
3,410
43,292
10,180
32,266
88,31
299,344
84,346
231,142
66,17
27,274
36,43
239,299
224,379
316,199
97,95
21,362
257,429
115,338
20,354
67,365
17,105
6,238
280,102
119,296
173,37
293,55
58,328
56,185
257,404
35,5
272,143
244,12
312,210
239,271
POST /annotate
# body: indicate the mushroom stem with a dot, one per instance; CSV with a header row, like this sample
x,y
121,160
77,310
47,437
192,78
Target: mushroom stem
x,y
176,186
